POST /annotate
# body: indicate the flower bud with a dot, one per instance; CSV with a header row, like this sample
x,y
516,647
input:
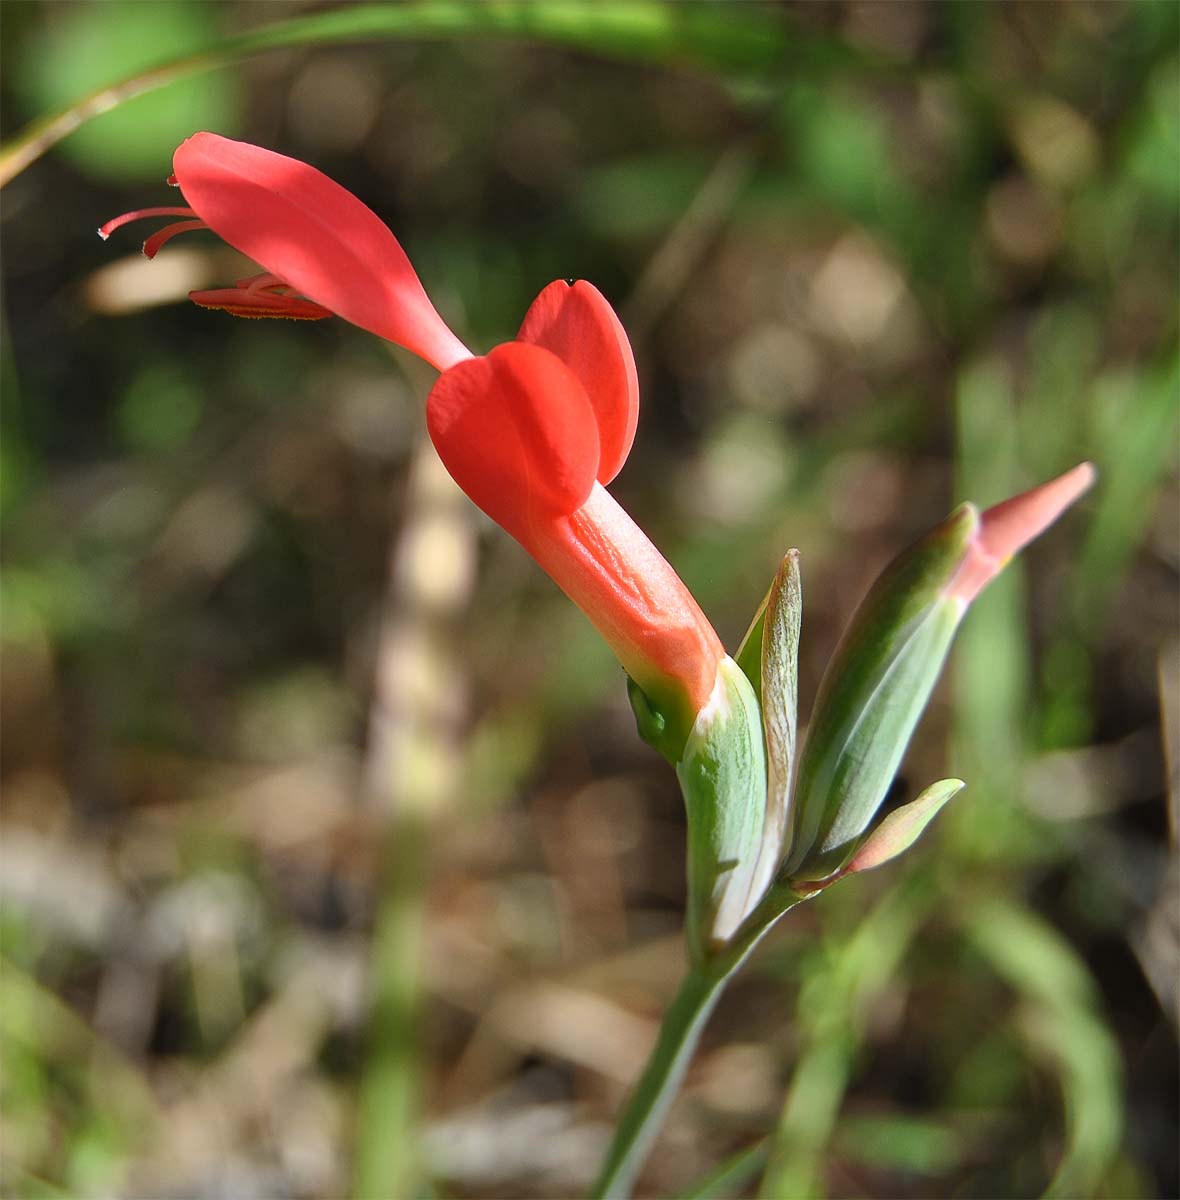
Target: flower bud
x,y
871,697
885,667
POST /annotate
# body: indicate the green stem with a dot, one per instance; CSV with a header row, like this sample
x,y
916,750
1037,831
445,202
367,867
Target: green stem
x,y
683,1024
679,1034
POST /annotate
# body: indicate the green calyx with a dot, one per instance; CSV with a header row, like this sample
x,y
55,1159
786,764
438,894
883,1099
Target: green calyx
x,y
723,779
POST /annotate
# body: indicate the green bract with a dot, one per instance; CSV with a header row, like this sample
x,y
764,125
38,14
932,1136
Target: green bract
x,y
901,828
769,656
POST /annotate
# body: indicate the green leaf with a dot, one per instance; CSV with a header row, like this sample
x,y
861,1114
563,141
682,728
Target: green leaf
x,y
902,827
723,778
871,696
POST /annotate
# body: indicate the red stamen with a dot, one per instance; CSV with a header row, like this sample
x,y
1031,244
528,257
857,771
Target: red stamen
x,y
242,302
106,230
262,283
152,246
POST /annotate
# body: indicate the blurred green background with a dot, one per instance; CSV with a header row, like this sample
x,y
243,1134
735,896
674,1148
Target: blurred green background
x,y
330,862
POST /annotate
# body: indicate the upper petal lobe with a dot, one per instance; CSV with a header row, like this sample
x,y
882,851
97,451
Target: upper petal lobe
x,y
316,235
580,327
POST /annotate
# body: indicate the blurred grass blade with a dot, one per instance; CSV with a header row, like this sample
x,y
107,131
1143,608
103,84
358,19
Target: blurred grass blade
x,y
913,1145
639,29
410,784
39,1030
830,1019
1060,1020
731,1176
1135,418
991,664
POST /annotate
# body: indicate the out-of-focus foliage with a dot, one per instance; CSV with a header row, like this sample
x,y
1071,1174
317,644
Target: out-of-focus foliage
x,y
324,814
84,46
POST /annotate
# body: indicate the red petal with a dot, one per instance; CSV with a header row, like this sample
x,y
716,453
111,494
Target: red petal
x,y
317,236
517,434
605,563
581,328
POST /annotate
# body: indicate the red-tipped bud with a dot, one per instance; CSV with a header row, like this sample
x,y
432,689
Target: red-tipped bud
x,y
1008,527
886,665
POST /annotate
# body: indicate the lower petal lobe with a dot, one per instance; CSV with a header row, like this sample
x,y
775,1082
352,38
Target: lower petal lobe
x,y
517,433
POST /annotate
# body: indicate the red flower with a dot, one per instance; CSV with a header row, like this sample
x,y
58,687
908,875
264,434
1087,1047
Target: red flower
x,y
532,431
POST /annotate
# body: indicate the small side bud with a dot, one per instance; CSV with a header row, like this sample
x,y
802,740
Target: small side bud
x,y
652,724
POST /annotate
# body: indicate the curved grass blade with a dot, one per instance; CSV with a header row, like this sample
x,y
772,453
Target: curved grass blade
x,y
731,1176
1060,1018
649,30
830,1020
